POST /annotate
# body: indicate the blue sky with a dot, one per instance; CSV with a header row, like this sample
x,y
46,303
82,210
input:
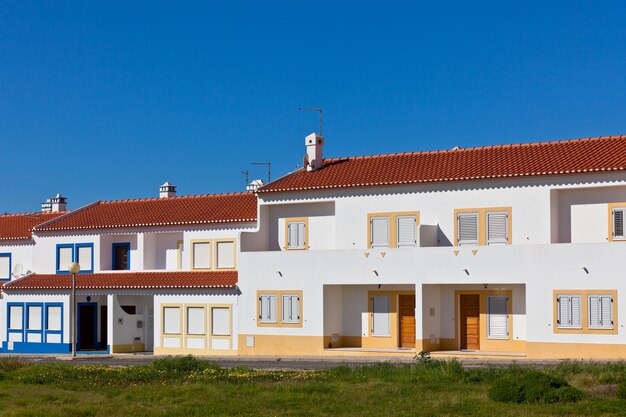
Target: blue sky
x,y
107,100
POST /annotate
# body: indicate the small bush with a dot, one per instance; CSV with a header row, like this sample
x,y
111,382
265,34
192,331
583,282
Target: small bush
x,y
621,391
531,386
181,364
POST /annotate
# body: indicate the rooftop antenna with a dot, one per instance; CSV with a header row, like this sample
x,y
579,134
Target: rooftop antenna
x,y
269,168
246,173
319,109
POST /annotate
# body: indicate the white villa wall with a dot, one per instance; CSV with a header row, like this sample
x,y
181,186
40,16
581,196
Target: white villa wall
x,y
589,223
22,253
45,250
106,250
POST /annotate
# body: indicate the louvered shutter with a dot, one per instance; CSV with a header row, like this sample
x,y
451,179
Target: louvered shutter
x,y
379,232
295,235
467,224
267,308
497,228
498,318
569,311
600,311
606,308
407,231
291,309
380,315
618,223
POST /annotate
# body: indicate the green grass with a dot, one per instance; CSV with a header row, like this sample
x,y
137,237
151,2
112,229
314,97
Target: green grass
x,y
187,386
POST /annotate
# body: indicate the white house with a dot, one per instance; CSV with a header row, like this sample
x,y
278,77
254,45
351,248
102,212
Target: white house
x,y
156,275
512,250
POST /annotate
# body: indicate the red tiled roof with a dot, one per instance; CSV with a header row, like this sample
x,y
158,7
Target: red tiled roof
x,y
126,280
606,153
20,226
184,210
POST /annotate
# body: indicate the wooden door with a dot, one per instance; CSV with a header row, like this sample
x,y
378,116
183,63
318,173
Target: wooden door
x,y
470,322
407,321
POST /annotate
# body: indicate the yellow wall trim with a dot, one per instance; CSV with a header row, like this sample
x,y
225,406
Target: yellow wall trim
x,y
279,308
482,223
551,350
584,313
393,228
129,348
282,345
190,351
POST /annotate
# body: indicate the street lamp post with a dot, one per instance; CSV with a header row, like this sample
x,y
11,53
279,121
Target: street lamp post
x,y
74,269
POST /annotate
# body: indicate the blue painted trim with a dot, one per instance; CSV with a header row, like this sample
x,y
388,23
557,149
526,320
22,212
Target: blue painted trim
x,y
113,260
83,245
60,246
22,347
27,331
96,345
36,347
8,255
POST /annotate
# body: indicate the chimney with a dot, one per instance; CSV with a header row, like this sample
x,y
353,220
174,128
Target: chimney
x,y
313,158
55,204
167,190
254,185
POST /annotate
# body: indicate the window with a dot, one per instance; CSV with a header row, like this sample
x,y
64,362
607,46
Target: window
x,y
53,318
617,217
201,255
65,256
482,226
380,315
291,308
467,229
407,231
220,321
600,311
84,256
297,236
171,320
392,230
195,320
34,317
16,317
497,228
280,308
5,266
569,311
121,256
267,309
67,253
225,254
497,317
379,233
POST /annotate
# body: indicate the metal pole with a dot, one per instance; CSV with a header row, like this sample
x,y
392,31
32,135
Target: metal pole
x,y
73,316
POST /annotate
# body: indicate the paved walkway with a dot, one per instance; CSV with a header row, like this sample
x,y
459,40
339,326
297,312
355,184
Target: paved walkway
x,y
277,363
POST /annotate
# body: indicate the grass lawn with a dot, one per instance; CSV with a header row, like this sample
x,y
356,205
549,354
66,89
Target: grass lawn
x,y
189,387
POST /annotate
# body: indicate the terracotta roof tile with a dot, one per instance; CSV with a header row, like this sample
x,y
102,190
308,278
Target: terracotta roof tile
x,y
19,226
126,280
606,153
184,210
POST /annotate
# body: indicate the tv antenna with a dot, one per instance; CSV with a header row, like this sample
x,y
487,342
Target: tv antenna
x,y
247,174
319,109
269,168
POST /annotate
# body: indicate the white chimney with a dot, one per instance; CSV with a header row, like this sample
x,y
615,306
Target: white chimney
x,y
167,190
254,185
55,204
313,158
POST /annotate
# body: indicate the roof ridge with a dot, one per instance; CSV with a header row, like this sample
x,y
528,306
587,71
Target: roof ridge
x,y
34,213
475,148
178,197
64,216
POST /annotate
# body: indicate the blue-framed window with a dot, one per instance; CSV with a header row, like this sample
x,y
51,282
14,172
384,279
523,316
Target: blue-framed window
x,y
34,322
5,266
66,253
15,322
54,322
121,256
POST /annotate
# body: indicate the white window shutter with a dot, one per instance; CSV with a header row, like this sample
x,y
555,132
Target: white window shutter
x,y
497,228
575,311
301,234
407,231
594,311
379,232
291,309
83,257
618,223
296,235
467,229
498,317
5,267
606,310
267,308
380,315
65,258
16,317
